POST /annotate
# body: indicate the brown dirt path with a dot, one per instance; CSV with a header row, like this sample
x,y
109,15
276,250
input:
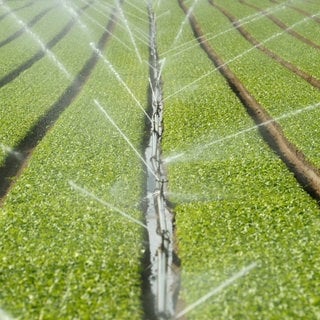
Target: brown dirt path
x,y
13,165
306,174
303,12
282,25
304,75
40,53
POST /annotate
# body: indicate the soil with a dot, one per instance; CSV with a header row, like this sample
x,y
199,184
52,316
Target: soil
x,y
40,53
306,174
13,166
283,26
18,33
305,76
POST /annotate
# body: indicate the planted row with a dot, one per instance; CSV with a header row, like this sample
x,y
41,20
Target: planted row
x,y
68,254
281,92
235,201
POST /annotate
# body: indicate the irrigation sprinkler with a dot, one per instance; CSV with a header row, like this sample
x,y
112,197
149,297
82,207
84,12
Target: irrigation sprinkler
x,y
163,278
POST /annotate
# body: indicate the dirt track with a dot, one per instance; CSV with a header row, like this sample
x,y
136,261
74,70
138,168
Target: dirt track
x,y
305,13
40,53
281,25
13,166
305,76
306,174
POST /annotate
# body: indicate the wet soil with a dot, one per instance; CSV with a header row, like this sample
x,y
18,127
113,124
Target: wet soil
x,y
305,76
282,25
163,278
18,33
306,174
13,166
12,75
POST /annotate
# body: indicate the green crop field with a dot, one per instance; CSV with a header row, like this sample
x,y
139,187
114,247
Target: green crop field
x,y
73,190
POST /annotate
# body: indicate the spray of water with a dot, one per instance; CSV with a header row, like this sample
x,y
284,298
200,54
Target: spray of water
x,y
241,55
75,16
246,20
36,38
9,150
124,137
178,50
196,151
105,203
126,23
243,272
184,23
104,28
4,315
118,77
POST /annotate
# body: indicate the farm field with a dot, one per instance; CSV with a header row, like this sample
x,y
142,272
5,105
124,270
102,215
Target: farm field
x,y
240,89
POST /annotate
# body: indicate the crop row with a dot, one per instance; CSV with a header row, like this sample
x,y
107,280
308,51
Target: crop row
x,y
285,45
63,253
279,90
235,201
43,80
66,253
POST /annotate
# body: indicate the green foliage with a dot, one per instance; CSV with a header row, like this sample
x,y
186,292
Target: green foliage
x,y
235,201
63,254
66,256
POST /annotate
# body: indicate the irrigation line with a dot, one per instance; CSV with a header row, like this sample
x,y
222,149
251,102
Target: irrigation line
x,y
163,280
243,272
124,136
105,203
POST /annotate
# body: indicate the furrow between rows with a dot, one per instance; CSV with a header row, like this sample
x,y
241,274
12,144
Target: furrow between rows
x,y
13,165
304,75
12,75
303,12
306,174
282,25
22,30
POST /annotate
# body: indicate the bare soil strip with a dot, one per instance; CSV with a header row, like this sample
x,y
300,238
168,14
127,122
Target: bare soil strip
x,y
13,166
303,12
31,23
41,53
29,4
306,174
305,76
282,25
160,295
